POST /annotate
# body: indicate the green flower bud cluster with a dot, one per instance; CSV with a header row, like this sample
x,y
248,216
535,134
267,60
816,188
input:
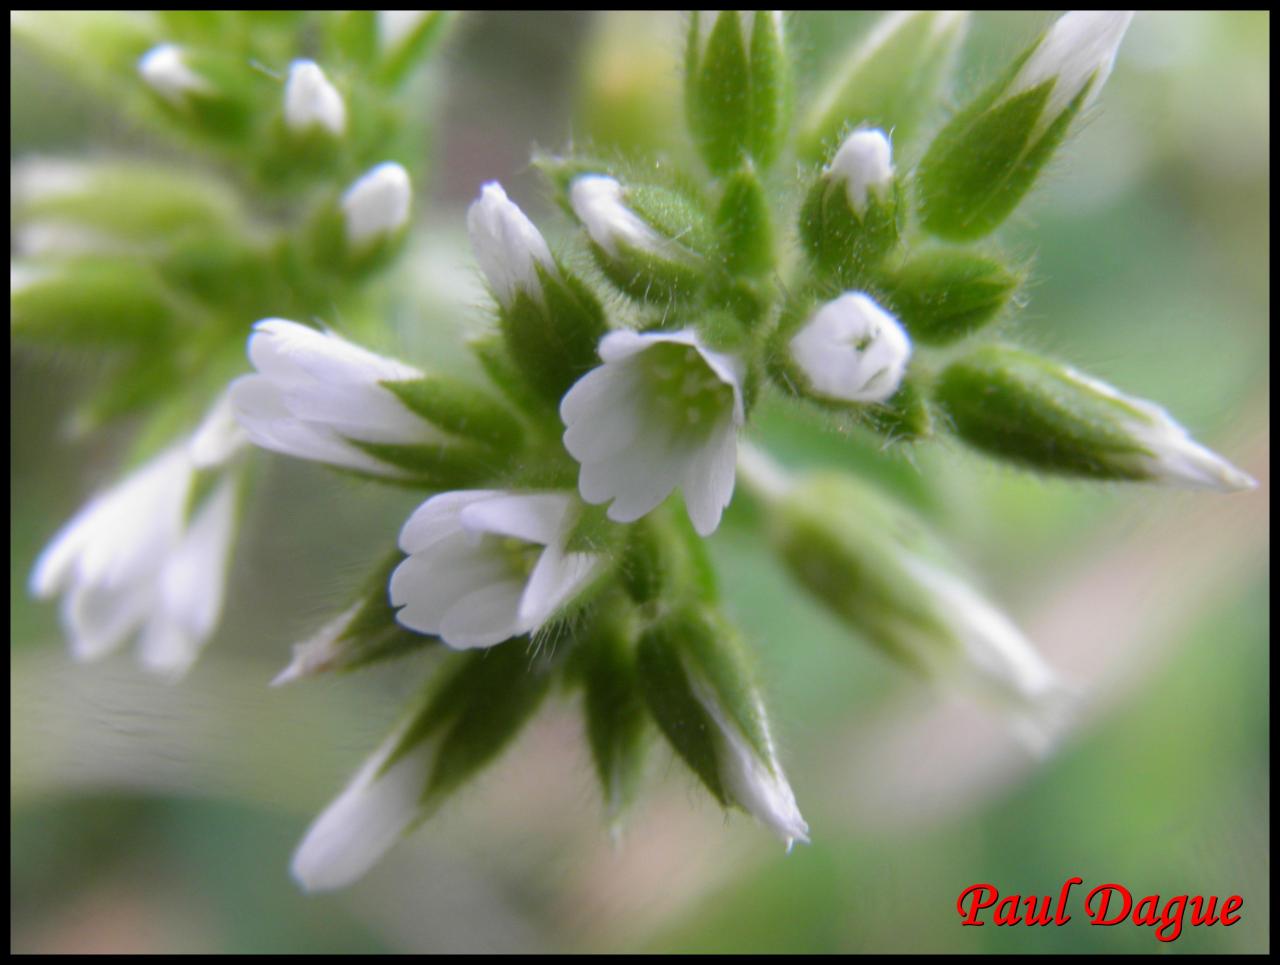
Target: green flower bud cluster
x,y
795,260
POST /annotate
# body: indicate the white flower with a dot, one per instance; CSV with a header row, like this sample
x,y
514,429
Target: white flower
x,y
485,566
395,27
663,411
165,71
755,783
852,349
597,201
865,164
1169,453
1079,49
311,101
315,391
131,560
992,656
377,204
366,819
507,244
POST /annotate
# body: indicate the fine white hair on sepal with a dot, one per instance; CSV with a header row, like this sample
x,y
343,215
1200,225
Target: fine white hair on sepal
x,y
598,202
852,349
662,412
377,204
311,100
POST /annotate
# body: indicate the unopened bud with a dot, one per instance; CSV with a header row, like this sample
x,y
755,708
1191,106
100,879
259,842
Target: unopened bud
x,y
851,350
311,102
376,207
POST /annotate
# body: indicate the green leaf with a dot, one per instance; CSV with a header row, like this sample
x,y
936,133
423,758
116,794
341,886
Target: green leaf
x,y
440,465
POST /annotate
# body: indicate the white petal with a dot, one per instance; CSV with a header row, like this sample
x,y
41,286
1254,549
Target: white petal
x,y
287,351
708,479
1080,45
99,619
365,820
310,100
865,164
429,583
166,647
852,349
556,578
638,479
532,517
507,244
485,617
396,26
597,201
377,204
165,71
599,392
193,578
438,517
218,437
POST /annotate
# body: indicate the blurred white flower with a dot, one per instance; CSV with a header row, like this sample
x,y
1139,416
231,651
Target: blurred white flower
x,y
165,71
485,566
663,411
315,391
136,559
376,206
852,349
311,101
507,244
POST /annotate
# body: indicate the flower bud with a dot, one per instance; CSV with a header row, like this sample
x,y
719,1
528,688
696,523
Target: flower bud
x,y
850,219
205,91
737,95
648,240
376,207
91,302
889,79
986,159
550,320
463,721
850,350
1048,416
311,102
166,72
694,676
946,294
872,564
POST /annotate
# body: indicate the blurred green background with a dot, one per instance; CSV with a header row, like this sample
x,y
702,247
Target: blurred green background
x,y
147,817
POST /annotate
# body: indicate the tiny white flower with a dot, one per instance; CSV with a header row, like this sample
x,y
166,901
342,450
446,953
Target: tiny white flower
x,y
757,784
1170,454
366,819
597,201
131,561
377,204
507,244
865,164
1079,49
663,411
852,349
165,71
315,392
486,565
993,656
311,101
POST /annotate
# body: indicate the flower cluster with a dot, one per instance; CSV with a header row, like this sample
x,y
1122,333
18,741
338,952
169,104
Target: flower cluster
x,y
625,366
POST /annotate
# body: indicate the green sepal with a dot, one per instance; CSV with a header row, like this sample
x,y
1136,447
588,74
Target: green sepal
x,y
373,635
617,721
842,245
1032,411
491,352
665,559
892,85
442,465
352,36
227,111
743,225
944,295
100,302
844,543
698,643
771,93
554,338
905,417
719,104
459,408
979,167
475,709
